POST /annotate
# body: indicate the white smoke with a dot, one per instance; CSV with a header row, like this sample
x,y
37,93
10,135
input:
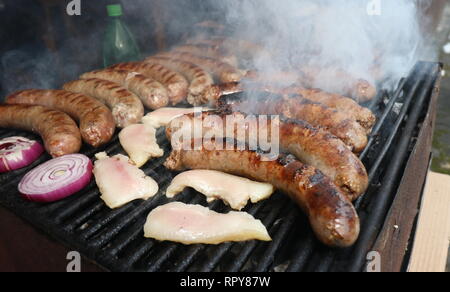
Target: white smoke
x,y
376,40
339,34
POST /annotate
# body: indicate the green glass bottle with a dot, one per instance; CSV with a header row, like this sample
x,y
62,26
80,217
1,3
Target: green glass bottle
x,y
119,44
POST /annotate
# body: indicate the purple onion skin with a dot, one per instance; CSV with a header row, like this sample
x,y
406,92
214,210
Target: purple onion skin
x,y
65,191
30,156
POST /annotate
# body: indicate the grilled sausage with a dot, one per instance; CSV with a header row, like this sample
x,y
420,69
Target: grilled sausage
x,y
175,83
152,93
273,79
296,107
332,216
199,79
356,88
60,133
213,93
242,48
96,121
204,50
222,71
346,105
315,147
126,107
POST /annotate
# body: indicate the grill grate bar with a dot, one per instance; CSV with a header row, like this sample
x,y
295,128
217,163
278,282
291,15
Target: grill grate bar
x,y
69,209
131,258
102,238
184,263
124,240
92,229
380,157
155,266
249,247
268,257
80,221
394,133
304,252
221,250
382,120
371,227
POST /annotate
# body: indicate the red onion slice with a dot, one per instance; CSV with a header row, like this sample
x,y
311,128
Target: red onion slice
x,y
57,179
18,152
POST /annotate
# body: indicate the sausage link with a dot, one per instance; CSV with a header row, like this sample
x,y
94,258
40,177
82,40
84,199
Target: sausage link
x,y
175,83
359,89
60,133
96,121
151,92
199,79
332,216
313,146
213,93
222,71
346,105
296,107
209,51
242,48
126,107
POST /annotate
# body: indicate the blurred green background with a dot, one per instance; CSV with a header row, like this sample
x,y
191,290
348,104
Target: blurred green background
x,y
441,142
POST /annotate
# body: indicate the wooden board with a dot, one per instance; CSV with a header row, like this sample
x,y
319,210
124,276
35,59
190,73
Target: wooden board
x,y
393,240
432,240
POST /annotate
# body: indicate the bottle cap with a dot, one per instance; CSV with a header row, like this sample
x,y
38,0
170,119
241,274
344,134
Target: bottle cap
x,y
114,10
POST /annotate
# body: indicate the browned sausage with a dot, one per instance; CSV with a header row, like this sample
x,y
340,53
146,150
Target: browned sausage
x,y
242,48
313,146
126,107
331,214
362,115
199,79
209,51
152,93
222,71
96,121
213,93
60,133
175,83
346,105
296,107
272,79
359,89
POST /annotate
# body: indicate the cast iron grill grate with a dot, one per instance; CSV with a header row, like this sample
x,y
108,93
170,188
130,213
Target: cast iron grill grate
x,y
114,239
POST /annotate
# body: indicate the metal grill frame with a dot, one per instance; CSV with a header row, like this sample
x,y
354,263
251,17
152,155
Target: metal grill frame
x,y
114,239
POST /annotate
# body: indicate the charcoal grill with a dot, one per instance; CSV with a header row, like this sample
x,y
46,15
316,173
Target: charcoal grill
x,y
114,239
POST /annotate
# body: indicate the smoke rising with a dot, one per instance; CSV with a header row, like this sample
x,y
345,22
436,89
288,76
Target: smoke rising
x,y
335,36
332,35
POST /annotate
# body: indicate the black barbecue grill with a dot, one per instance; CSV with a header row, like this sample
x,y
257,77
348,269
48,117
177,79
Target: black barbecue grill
x,y
114,238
